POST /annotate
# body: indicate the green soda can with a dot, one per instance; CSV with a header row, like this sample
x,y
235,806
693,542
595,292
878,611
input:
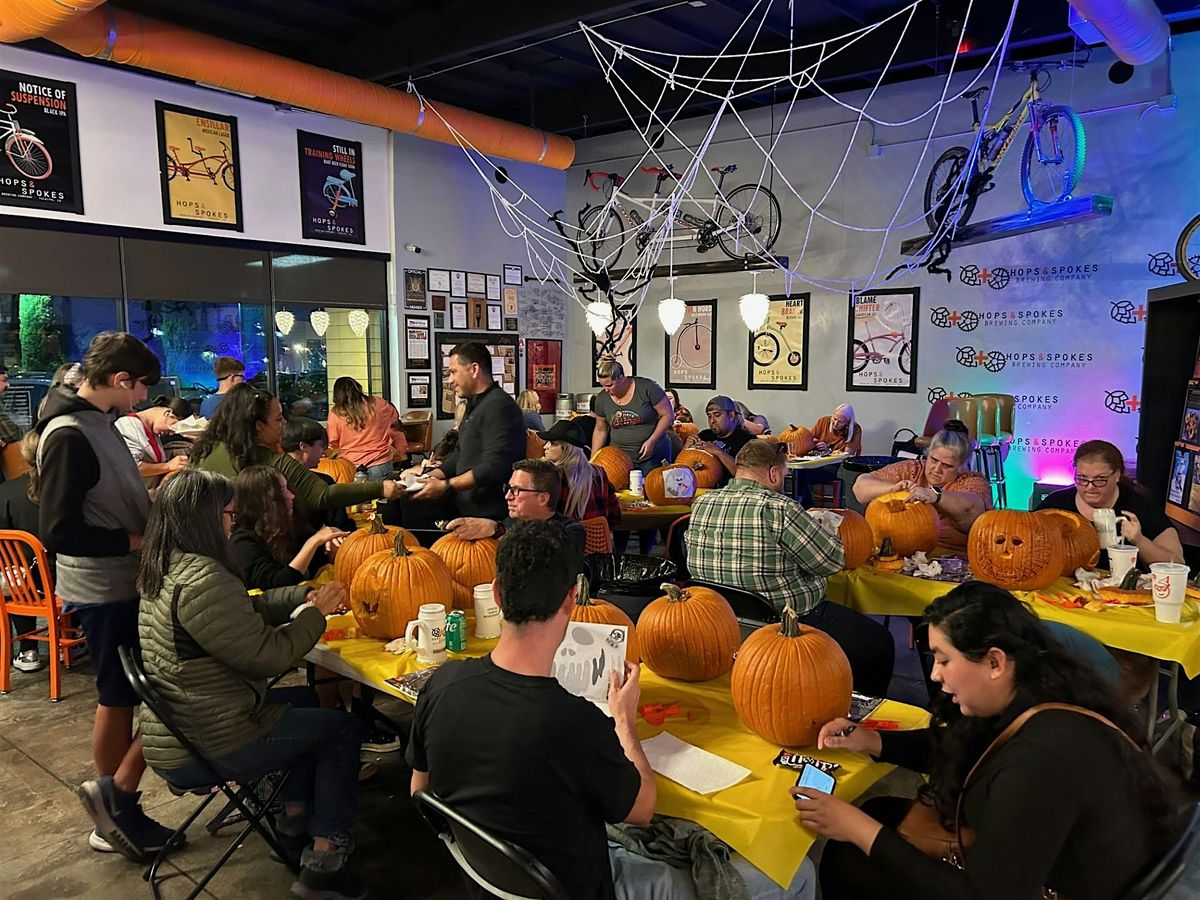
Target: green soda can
x,y
456,631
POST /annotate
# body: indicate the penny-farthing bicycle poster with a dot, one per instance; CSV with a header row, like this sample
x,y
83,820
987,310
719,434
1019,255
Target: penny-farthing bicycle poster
x,y
691,352
778,357
881,352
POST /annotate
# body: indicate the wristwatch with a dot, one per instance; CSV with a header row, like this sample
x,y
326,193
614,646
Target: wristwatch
x,y
938,491
500,530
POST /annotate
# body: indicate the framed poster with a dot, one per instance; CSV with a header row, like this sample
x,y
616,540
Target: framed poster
x,y
881,350
420,390
510,301
458,284
416,342
40,169
458,315
476,283
778,357
503,348
510,323
414,288
200,173
495,317
625,350
493,287
543,371
477,313
439,320
438,301
691,352
331,188
514,275
438,280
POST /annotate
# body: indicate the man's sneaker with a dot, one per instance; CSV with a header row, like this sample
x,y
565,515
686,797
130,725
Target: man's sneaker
x,y
379,741
341,884
28,661
120,821
99,844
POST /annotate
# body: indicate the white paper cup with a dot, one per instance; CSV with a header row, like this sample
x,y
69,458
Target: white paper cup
x,y
1168,584
1121,558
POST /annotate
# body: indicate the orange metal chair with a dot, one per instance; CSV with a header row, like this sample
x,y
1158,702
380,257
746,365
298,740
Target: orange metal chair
x,y
599,536
28,590
13,462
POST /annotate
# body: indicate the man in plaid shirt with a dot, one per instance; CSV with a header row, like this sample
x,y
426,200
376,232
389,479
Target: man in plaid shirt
x,y
750,536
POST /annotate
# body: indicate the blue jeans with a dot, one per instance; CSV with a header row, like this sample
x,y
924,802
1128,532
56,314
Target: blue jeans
x,y
320,746
379,472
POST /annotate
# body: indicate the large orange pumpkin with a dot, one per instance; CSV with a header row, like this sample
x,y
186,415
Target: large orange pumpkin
x,y
1081,544
340,470
707,467
535,447
1018,551
690,634
601,612
683,478
789,680
686,430
911,526
857,538
798,438
389,588
616,466
364,543
470,563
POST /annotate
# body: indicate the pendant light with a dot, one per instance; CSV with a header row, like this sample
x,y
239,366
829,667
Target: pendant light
x,y
599,316
284,321
319,320
755,307
359,319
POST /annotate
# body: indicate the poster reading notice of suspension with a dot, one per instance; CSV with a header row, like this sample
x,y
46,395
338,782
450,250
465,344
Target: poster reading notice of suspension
x,y
39,131
882,351
779,350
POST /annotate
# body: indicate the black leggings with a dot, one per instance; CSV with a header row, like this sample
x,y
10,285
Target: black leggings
x,y
846,873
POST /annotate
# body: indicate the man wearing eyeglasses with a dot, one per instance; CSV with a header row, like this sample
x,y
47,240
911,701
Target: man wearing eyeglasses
x,y
532,495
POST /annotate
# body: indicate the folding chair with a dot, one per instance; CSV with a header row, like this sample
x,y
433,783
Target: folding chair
x,y
498,866
244,797
752,610
28,590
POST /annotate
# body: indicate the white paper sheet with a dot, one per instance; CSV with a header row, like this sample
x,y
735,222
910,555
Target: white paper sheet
x,y
696,769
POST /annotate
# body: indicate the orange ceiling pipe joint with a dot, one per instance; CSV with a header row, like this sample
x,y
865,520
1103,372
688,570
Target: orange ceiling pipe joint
x,y
24,20
135,40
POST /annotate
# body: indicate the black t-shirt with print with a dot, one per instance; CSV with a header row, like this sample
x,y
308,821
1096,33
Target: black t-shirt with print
x,y
731,443
1149,512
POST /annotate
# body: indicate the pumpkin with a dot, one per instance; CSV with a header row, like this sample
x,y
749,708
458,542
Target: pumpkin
x,y
707,467
686,430
911,526
690,634
601,612
389,588
470,563
798,438
366,542
769,438
535,447
655,485
1018,551
789,680
857,538
1081,544
616,466
342,471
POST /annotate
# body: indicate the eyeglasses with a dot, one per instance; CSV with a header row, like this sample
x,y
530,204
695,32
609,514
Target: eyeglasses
x,y
518,491
1100,482
227,512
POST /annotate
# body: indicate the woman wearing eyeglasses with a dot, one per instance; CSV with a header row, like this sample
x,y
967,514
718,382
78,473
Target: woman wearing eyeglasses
x,y
1100,483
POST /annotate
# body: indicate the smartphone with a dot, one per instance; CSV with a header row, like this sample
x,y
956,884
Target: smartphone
x,y
813,778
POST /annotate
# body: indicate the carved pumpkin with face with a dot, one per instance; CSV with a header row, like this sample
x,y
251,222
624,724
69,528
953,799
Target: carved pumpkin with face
x,y
1018,551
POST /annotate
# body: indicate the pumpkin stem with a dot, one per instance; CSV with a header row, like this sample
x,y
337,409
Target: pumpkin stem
x,y
790,626
377,526
581,582
674,594
401,548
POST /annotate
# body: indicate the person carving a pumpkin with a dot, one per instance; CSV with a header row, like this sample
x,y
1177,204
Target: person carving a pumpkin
x,y
838,432
725,435
941,480
1067,801
751,536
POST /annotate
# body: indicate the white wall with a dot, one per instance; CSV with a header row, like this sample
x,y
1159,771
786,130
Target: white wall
x,y
1147,160
120,165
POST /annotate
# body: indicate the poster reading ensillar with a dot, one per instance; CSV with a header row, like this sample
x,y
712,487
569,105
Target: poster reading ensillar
x,y
331,188
198,167
39,131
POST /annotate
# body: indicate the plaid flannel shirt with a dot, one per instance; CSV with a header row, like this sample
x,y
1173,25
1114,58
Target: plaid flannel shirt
x,y
748,537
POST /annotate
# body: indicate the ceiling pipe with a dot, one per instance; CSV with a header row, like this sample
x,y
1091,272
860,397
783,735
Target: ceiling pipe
x,y
24,20
1135,30
123,37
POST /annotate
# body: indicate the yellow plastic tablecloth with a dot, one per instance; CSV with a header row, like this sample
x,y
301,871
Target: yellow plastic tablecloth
x,y
1135,629
648,517
756,817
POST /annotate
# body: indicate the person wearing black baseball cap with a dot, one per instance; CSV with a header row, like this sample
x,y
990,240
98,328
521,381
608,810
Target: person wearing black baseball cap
x,y
725,435
587,492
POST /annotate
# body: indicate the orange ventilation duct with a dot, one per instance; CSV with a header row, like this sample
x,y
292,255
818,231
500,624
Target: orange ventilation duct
x,y
24,20
128,38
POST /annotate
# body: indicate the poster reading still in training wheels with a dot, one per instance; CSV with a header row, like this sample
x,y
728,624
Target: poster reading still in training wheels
x,y
198,168
691,352
39,133
882,350
331,188
778,357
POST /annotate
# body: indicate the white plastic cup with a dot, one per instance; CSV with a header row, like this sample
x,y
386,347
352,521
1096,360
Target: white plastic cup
x,y
636,482
1168,584
1121,558
487,612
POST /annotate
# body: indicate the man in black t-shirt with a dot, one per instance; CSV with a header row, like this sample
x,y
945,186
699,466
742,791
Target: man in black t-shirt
x,y
503,743
725,434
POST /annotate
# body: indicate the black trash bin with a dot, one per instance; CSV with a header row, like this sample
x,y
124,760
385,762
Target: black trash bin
x,y
628,581
862,464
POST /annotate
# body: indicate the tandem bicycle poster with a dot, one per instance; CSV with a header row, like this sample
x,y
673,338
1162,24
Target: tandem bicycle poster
x,y
199,168
39,132
331,189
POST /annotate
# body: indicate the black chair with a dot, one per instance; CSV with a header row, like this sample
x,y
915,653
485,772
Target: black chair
x,y
1155,884
752,610
499,867
252,803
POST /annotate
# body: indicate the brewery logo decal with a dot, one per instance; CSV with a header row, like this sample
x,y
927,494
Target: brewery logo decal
x,y
1121,402
1000,277
972,358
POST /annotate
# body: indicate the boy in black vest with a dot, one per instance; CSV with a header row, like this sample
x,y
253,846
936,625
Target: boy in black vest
x,y
93,511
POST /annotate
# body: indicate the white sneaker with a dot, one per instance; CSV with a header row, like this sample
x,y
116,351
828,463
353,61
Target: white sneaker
x,y
96,842
28,661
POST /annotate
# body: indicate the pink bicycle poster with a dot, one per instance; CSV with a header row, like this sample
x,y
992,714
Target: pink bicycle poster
x,y
39,143
881,352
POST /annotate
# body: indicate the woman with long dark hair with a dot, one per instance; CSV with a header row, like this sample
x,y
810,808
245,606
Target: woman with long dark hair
x,y
1067,802
364,429
246,430
209,648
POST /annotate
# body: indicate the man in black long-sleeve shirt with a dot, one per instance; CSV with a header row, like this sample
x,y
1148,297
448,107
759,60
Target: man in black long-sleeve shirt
x,y
470,482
